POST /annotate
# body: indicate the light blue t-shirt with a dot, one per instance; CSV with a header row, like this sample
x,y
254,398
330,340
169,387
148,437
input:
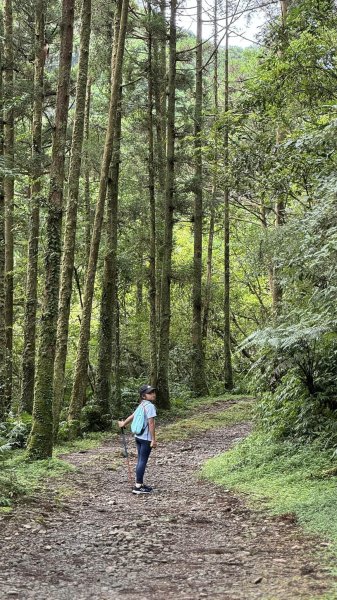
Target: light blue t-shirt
x,y
149,411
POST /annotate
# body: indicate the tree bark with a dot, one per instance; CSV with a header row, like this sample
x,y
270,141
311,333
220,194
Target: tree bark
x,y
74,416
165,301
152,199
228,373
87,206
160,104
208,286
2,264
199,385
104,396
41,439
276,288
9,191
29,329
67,267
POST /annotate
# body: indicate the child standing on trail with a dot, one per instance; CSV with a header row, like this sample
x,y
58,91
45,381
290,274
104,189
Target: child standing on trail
x,y
146,440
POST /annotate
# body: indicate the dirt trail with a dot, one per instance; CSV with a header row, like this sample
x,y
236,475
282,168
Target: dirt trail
x,y
187,540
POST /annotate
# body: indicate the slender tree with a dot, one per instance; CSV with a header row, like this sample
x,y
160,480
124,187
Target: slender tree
x,y
228,372
276,287
86,169
152,199
2,263
28,357
9,190
165,300
67,267
108,401
208,286
41,439
75,406
159,85
199,385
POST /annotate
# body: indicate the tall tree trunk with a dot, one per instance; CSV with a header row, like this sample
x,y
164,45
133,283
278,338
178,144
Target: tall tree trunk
x,y
276,288
165,304
208,286
87,206
228,373
9,190
159,94
199,385
29,330
67,268
109,287
41,439
152,198
74,416
2,264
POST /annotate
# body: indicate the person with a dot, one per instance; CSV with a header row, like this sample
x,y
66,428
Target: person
x,y
147,440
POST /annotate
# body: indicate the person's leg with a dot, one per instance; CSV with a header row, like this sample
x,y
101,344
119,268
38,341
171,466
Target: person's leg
x,y
144,450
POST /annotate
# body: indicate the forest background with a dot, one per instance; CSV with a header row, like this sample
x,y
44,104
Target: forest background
x,y
167,214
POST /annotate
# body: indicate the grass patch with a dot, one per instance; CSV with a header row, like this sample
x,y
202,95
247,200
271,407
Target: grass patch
x,y
22,478
282,478
89,442
200,421
19,477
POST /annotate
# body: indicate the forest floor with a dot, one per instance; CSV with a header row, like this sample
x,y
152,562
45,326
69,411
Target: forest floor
x,y
87,537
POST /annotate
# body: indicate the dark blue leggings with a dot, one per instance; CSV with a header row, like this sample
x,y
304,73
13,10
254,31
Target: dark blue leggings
x,y
144,451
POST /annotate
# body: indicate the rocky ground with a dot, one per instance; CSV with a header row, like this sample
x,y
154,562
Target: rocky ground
x,y
88,537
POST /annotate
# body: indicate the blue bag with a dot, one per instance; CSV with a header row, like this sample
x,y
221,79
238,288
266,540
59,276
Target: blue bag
x,y
139,422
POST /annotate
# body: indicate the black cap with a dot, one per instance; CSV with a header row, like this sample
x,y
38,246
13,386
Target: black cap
x,y
146,389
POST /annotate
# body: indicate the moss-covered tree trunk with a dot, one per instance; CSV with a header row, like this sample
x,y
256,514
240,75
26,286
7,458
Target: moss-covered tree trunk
x,y
199,385
106,397
67,267
2,265
29,328
41,439
75,407
8,78
86,170
228,372
208,286
152,207
165,303
159,81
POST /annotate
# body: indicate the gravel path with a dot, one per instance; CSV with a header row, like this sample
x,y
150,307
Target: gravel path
x,y
187,540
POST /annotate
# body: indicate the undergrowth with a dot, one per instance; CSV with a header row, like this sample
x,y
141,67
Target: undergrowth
x,y
197,422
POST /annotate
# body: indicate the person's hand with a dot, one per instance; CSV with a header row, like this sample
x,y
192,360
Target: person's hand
x,y
153,444
121,424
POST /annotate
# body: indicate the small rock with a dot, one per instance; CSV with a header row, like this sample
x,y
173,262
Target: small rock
x,y
110,569
258,580
307,569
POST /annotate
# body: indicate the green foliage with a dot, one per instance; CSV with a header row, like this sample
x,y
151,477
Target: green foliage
x,y
14,431
296,370
19,477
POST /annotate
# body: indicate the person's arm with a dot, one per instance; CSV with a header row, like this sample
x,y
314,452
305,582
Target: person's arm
x,y
122,424
152,429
